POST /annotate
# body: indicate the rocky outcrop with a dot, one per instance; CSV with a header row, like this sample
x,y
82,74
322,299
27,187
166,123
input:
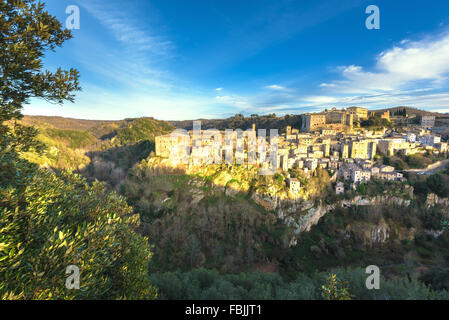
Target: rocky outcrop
x,y
303,215
370,235
197,196
269,203
312,217
433,200
379,234
374,201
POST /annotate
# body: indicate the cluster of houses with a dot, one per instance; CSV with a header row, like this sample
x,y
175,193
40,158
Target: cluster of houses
x,y
348,154
348,157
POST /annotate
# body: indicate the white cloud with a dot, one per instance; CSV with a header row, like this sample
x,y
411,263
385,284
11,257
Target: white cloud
x,y
275,87
219,89
321,99
235,101
402,67
427,101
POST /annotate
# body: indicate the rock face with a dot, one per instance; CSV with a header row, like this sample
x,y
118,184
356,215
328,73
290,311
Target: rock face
x,y
433,200
302,215
372,235
269,203
232,190
197,196
374,201
379,234
312,217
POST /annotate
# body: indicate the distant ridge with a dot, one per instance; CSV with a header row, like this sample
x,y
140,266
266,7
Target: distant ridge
x,y
411,110
128,130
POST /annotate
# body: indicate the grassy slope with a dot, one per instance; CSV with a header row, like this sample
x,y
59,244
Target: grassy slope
x,y
69,141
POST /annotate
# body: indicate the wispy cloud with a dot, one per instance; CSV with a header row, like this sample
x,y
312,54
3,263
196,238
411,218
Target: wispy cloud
x,y
121,24
234,100
275,87
403,67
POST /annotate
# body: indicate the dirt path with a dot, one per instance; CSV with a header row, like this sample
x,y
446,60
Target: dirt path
x,y
431,168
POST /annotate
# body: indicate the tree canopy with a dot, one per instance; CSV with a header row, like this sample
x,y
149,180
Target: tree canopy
x,y
49,221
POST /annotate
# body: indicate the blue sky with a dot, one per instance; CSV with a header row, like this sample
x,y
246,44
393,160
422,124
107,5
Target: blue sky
x,y
176,60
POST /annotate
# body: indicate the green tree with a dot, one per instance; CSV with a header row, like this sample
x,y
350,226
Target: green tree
x,y
59,220
27,31
50,221
376,122
362,189
437,184
335,289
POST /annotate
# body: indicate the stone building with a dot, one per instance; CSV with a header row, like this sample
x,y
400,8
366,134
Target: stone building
x,y
333,119
336,116
382,115
328,132
340,188
314,121
390,146
364,149
294,185
176,142
385,115
360,176
359,113
427,122
429,140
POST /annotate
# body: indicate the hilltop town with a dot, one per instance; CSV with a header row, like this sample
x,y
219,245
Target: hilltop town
x,y
351,144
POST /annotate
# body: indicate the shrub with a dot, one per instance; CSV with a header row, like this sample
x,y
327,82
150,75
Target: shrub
x,y
53,221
